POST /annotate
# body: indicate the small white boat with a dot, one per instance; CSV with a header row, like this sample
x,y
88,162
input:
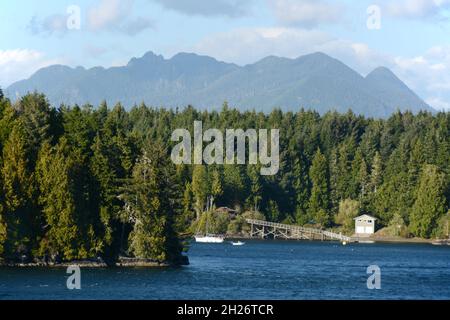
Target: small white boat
x,y
238,243
209,239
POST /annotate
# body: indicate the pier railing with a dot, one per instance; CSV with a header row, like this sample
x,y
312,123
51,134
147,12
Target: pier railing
x,y
263,229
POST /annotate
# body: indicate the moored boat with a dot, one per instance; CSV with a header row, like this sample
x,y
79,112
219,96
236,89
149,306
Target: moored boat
x,y
209,239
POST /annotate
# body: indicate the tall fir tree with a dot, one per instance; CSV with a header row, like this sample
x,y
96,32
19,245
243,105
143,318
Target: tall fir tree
x,y
319,201
255,196
430,204
216,187
18,181
70,230
200,188
151,195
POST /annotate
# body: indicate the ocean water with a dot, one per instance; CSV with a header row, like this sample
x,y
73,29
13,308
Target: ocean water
x,y
257,270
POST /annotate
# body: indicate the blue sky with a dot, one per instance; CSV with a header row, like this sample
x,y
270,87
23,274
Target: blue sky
x,y
413,38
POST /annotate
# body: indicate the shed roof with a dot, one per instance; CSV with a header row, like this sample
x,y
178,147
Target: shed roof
x,y
365,217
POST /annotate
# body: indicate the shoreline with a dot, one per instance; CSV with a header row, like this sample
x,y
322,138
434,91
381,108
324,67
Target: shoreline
x,y
120,263
124,262
354,239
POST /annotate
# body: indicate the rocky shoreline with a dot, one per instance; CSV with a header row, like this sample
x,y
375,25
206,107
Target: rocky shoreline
x,y
122,262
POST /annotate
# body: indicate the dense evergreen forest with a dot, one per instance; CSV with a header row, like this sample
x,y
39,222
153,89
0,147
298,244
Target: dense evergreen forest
x,y
78,182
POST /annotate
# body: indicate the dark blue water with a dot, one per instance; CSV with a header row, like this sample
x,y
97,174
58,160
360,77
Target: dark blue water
x,y
257,270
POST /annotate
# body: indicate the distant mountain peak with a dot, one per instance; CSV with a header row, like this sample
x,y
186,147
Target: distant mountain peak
x,y
148,57
188,57
271,60
183,55
382,72
313,81
317,56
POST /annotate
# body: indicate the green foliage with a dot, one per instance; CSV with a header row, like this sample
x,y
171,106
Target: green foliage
x,y
70,229
200,188
80,182
234,185
17,196
216,186
239,226
187,217
213,222
430,204
397,226
348,210
150,197
255,195
443,227
273,213
319,200
236,226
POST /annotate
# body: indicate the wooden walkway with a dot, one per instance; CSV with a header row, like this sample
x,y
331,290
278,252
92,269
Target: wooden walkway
x,y
264,229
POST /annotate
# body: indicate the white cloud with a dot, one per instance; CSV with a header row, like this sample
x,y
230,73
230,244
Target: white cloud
x,y
417,8
438,104
247,45
18,64
307,13
108,13
115,15
230,8
136,25
55,23
428,74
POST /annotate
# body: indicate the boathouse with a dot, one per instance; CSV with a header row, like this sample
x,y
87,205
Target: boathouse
x,y
365,225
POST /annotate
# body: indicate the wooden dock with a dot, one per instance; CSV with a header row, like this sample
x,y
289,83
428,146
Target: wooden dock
x,y
264,229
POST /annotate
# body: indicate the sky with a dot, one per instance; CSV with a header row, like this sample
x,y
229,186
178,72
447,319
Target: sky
x,y
411,37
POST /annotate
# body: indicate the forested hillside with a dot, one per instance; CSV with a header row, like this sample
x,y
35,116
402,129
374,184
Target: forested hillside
x,y
80,182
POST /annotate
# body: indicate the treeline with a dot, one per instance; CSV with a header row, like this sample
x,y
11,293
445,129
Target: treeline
x,y
81,182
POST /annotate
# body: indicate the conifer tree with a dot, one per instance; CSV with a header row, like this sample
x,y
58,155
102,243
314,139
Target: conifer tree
x,y
70,227
3,227
319,200
301,187
151,197
188,214
376,177
106,188
37,118
255,197
216,187
199,188
18,195
430,202
234,184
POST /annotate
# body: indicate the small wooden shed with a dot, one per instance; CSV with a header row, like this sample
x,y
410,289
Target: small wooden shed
x,y
365,224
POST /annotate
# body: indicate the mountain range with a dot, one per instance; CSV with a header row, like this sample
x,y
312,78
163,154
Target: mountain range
x,y
314,81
